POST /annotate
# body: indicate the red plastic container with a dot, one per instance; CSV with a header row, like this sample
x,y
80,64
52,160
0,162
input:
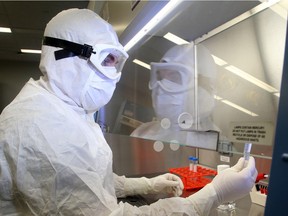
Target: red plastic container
x,y
194,180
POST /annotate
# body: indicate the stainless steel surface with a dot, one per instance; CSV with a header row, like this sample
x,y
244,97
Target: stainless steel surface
x,y
244,207
135,156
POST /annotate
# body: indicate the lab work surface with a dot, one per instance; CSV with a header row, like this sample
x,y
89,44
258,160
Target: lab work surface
x,y
244,206
141,159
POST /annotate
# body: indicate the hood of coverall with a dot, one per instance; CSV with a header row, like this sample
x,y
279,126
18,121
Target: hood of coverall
x,y
69,78
172,104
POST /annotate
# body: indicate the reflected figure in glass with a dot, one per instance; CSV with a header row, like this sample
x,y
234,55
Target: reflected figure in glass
x,y
182,86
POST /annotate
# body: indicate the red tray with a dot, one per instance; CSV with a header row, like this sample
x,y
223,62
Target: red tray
x,y
194,180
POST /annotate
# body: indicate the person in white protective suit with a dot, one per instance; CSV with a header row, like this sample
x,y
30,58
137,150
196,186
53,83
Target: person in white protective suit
x,y
54,158
175,97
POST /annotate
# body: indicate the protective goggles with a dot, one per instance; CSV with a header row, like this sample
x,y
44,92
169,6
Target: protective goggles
x,y
108,59
172,77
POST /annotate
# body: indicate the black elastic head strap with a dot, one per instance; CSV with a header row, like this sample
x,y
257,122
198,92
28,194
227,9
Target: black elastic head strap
x,y
70,49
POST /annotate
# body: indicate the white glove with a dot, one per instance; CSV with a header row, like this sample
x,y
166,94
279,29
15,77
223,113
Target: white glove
x,y
231,184
235,182
166,183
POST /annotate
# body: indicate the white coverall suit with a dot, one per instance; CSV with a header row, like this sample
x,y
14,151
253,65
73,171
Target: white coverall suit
x,y
54,159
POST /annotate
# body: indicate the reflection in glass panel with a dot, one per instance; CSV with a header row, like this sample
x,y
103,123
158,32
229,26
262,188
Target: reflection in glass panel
x,y
249,59
236,78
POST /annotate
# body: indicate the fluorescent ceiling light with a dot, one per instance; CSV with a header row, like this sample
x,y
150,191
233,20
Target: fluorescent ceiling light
x,y
5,30
219,61
239,107
246,76
235,106
141,63
217,97
251,79
31,51
152,23
175,39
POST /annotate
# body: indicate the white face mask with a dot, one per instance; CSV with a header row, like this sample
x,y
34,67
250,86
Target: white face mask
x,y
167,104
172,77
98,92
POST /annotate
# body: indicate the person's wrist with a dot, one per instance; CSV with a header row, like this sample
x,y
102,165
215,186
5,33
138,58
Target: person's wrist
x,y
204,200
134,186
214,194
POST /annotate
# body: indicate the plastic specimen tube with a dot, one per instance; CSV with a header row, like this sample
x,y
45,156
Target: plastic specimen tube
x,y
193,164
247,150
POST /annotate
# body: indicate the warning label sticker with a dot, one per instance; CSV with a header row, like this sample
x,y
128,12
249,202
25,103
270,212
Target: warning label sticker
x,y
255,132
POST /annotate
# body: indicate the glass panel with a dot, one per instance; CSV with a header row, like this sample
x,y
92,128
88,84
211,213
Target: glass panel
x,y
235,80
249,61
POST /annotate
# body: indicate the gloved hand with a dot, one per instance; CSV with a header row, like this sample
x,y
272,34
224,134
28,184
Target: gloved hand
x,y
166,183
231,184
235,182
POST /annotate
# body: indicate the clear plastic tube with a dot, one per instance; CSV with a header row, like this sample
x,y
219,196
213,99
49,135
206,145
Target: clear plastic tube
x,y
247,150
193,164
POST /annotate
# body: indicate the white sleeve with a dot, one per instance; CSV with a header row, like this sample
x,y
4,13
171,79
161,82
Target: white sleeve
x,y
163,207
131,186
199,203
204,200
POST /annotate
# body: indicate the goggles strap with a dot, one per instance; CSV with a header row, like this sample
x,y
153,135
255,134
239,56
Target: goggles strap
x,y
70,49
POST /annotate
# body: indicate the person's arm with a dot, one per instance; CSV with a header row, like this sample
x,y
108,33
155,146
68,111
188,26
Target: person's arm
x,y
69,185
232,184
167,183
69,193
50,187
